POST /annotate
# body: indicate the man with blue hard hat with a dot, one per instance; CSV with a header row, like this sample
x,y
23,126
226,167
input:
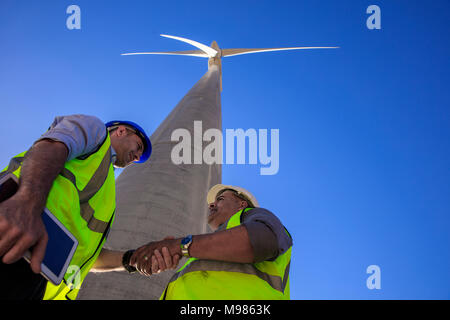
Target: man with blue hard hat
x,y
144,147
70,171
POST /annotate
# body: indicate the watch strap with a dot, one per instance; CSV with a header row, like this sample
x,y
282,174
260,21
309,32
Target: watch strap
x,y
185,244
126,261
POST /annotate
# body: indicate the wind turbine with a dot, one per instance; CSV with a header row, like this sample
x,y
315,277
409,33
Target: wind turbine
x,y
159,198
215,54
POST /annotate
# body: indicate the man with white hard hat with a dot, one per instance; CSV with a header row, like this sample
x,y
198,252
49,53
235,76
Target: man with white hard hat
x,y
246,257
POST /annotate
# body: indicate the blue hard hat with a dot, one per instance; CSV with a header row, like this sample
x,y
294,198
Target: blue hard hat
x,y
140,132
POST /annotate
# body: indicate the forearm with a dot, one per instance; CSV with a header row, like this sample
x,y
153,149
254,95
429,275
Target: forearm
x,y
232,245
108,260
41,166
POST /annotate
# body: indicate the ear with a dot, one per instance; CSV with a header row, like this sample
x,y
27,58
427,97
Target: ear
x,y
121,131
243,205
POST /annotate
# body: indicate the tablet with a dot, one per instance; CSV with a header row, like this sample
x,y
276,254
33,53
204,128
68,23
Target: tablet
x,y
61,244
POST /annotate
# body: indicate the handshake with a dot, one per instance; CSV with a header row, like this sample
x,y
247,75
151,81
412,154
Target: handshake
x,y
157,256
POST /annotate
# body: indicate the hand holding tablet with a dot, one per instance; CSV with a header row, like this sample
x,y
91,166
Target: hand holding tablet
x,y
61,243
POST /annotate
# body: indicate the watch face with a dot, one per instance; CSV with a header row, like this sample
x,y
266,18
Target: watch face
x,y
186,240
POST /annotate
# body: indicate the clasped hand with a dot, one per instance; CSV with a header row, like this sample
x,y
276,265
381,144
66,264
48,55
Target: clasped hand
x,y
157,256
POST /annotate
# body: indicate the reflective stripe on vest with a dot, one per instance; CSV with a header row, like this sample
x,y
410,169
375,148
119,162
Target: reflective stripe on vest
x,y
210,279
95,183
82,197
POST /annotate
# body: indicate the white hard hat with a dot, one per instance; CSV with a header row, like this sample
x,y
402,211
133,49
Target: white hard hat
x,y
212,193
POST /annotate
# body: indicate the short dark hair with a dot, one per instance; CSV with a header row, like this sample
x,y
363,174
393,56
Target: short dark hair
x,y
129,130
237,194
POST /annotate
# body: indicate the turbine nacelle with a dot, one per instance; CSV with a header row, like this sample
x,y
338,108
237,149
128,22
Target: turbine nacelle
x,y
215,54
216,60
216,47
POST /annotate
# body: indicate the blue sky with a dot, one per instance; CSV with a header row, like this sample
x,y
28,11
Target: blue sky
x,y
364,129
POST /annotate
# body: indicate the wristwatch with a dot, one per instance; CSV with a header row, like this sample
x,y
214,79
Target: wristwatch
x,y
126,261
185,243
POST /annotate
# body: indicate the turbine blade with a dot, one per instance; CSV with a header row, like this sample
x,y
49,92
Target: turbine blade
x,y
208,50
193,53
235,52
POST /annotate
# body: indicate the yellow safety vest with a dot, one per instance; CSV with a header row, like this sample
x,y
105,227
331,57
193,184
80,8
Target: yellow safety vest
x,y
83,199
202,279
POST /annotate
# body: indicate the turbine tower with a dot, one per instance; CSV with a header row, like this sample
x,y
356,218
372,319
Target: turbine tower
x,y
159,198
